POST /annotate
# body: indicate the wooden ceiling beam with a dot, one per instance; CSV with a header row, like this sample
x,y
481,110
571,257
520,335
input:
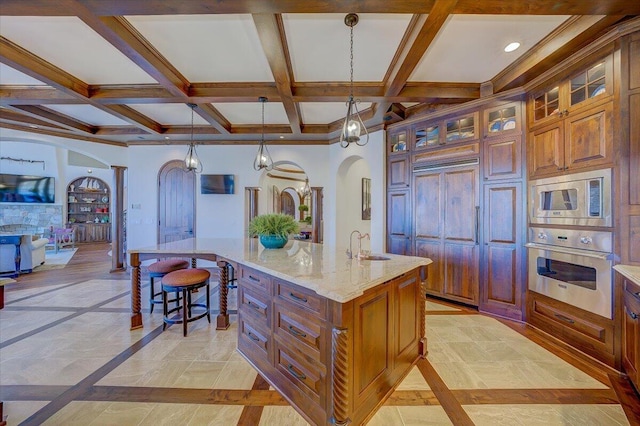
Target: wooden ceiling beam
x,y
424,33
213,117
132,116
124,37
55,118
61,134
233,92
164,7
35,67
274,44
19,118
569,37
26,62
30,95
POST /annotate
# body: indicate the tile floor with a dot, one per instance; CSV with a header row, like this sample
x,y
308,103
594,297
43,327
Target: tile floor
x,y
67,357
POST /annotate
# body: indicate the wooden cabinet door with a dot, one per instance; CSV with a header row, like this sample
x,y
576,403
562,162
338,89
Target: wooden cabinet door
x,y
428,225
460,238
631,336
546,150
399,222
589,138
502,286
398,172
502,158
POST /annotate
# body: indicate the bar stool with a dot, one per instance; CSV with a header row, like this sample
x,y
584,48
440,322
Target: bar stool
x,y
159,270
185,281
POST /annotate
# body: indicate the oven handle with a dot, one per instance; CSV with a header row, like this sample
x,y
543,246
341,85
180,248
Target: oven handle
x,y
566,250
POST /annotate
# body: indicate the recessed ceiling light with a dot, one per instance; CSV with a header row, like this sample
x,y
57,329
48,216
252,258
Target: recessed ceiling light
x,y
512,46
33,126
166,137
281,137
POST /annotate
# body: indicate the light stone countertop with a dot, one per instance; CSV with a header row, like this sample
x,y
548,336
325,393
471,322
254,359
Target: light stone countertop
x,y
629,271
317,267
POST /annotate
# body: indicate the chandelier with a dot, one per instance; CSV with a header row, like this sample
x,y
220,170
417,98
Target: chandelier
x,y
263,158
191,162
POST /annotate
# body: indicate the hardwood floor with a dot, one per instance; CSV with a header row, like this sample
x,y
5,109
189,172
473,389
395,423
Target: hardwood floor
x,y
67,357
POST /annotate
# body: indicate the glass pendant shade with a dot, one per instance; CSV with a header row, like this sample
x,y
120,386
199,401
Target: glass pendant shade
x,y
306,189
263,158
191,162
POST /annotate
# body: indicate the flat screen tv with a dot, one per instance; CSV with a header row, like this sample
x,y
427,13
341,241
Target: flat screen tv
x,y
217,184
27,189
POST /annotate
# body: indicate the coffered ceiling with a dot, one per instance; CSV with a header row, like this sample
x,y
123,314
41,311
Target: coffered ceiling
x,y
123,72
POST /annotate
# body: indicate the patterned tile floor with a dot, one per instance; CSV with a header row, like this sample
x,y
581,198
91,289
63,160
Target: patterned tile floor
x,y
67,357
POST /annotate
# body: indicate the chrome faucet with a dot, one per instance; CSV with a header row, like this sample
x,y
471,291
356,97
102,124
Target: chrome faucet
x,y
360,237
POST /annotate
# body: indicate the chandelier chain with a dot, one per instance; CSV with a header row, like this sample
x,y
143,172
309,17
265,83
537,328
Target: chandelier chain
x,y
351,63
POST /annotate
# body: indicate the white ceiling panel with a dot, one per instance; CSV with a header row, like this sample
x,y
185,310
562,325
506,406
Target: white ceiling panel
x,y
251,112
71,45
10,76
319,45
470,48
89,115
208,48
326,112
169,114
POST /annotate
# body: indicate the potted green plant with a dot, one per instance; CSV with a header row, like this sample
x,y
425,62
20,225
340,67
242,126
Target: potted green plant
x,y
273,229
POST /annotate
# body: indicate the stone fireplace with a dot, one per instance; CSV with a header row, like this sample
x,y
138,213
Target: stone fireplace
x,y
30,218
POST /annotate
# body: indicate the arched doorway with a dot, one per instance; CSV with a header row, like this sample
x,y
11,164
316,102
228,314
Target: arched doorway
x,y
176,202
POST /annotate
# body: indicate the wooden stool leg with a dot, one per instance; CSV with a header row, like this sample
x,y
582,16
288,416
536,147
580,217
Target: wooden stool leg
x,y
208,302
152,291
165,309
184,311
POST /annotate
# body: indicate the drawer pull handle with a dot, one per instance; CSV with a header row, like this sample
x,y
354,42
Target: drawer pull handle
x,y
253,337
300,376
565,319
637,294
296,332
252,278
633,315
298,298
253,305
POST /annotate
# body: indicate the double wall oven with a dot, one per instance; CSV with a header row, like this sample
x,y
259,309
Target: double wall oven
x,y
570,254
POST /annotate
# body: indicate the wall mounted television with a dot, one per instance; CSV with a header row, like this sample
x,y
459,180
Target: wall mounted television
x,y
217,184
27,189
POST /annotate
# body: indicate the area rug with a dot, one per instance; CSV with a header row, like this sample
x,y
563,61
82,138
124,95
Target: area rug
x,y
53,260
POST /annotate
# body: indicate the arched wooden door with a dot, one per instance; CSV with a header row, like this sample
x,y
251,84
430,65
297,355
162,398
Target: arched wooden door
x,y
176,202
287,205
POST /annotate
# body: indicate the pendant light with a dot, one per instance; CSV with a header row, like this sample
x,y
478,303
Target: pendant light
x,y
353,126
263,158
305,190
191,162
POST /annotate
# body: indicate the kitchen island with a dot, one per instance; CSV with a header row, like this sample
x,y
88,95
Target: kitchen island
x,y
333,335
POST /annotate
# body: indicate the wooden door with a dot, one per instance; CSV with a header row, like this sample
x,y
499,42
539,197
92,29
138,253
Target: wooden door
x,y
176,202
502,159
503,284
546,150
399,222
287,205
589,138
398,172
428,225
460,199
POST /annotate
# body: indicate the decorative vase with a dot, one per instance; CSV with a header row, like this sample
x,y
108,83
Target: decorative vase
x,y
272,241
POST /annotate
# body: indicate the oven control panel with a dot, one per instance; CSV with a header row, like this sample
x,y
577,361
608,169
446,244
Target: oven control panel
x,y
601,241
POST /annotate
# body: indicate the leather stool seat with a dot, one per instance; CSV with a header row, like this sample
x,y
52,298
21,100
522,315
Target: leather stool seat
x,y
158,270
185,281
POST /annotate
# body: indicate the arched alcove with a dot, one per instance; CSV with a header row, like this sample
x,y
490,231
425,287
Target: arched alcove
x,y
349,199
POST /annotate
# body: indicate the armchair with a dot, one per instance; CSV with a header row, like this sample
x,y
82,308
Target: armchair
x,y
63,237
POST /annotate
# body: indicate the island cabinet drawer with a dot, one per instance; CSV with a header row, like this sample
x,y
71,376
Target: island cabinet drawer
x,y
300,331
301,297
255,304
632,288
305,376
255,279
254,341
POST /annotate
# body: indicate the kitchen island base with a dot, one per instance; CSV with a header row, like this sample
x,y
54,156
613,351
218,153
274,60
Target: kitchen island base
x,y
336,363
